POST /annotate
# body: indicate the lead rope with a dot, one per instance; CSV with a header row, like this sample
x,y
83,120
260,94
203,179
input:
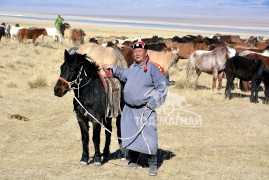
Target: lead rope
x,y
141,120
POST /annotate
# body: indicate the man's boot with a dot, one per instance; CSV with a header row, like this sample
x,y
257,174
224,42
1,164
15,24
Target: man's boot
x,y
152,160
133,159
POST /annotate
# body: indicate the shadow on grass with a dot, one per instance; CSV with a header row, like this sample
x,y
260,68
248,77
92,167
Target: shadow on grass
x,y
239,95
201,87
162,155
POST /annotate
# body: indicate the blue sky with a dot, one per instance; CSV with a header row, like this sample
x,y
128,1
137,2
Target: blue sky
x,y
163,9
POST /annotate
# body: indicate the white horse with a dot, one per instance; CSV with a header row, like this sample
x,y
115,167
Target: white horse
x,y
246,52
121,41
13,32
55,34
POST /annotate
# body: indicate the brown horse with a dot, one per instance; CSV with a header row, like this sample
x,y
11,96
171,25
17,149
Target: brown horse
x,y
185,49
211,62
31,34
77,36
127,53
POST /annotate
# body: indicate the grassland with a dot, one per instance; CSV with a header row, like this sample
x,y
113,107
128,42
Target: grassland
x,y
201,135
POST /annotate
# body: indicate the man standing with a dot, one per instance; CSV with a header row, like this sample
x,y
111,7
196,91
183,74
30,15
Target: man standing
x,y
58,22
145,89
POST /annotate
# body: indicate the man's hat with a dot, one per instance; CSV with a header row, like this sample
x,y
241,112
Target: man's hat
x,y
140,44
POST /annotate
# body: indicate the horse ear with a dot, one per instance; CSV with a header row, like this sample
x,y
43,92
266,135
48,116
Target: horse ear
x,y
66,54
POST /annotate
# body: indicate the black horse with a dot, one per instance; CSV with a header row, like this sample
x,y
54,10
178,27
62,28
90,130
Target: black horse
x,y
92,96
2,30
63,27
245,69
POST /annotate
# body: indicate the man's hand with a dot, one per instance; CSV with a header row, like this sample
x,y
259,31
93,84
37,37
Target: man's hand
x,y
107,66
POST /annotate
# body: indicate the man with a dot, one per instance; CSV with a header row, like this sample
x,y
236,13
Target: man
x,y
145,89
58,22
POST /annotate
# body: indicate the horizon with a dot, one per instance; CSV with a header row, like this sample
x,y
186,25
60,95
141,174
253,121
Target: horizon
x,y
219,12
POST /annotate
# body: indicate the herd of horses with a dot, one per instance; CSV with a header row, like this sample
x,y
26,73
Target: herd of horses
x,y
81,68
22,33
218,55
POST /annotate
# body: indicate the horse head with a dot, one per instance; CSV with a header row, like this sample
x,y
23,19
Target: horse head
x,y
71,72
44,32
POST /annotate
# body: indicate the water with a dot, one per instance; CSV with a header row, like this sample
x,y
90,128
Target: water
x,y
153,24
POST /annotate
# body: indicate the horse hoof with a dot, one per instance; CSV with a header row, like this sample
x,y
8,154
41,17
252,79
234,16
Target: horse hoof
x,y
96,164
83,163
123,159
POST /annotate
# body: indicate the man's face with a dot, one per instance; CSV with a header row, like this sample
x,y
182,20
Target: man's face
x,y
140,54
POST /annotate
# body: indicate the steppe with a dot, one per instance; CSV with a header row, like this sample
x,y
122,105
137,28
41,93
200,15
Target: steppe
x,y
201,134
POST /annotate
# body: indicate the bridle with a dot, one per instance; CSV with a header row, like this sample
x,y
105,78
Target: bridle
x,y
76,81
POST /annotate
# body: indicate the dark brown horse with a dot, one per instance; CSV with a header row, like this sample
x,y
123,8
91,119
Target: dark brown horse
x,y
31,34
265,59
63,27
245,69
89,96
2,31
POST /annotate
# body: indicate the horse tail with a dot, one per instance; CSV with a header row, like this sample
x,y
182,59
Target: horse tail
x,y
120,57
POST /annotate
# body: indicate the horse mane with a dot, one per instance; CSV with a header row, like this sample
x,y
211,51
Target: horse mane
x,y
120,57
88,62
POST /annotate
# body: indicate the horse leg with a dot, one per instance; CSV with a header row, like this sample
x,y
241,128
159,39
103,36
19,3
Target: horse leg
x,y
229,86
34,39
84,128
96,142
198,73
265,76
215,77
266,93
108,125
253,89
220,76
258,82
123,152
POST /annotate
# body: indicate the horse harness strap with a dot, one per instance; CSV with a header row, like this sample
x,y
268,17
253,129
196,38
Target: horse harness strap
x,y
113,93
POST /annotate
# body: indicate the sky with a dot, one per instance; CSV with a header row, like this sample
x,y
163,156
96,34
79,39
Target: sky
x,y
196,10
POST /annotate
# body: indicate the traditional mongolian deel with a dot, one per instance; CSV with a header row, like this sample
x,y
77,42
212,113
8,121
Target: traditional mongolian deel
x,y
141,88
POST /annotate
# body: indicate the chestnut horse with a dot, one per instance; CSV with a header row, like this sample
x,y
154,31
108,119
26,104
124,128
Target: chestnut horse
x,y
31,34
211,62
77,36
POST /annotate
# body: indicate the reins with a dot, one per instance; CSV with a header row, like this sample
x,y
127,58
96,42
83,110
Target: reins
x,y
143,121
77,81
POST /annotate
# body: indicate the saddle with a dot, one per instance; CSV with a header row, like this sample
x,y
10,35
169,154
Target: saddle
x,y
113,93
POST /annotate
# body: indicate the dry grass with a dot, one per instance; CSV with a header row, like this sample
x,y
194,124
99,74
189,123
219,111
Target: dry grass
x,y
38,82
201,135
12,85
